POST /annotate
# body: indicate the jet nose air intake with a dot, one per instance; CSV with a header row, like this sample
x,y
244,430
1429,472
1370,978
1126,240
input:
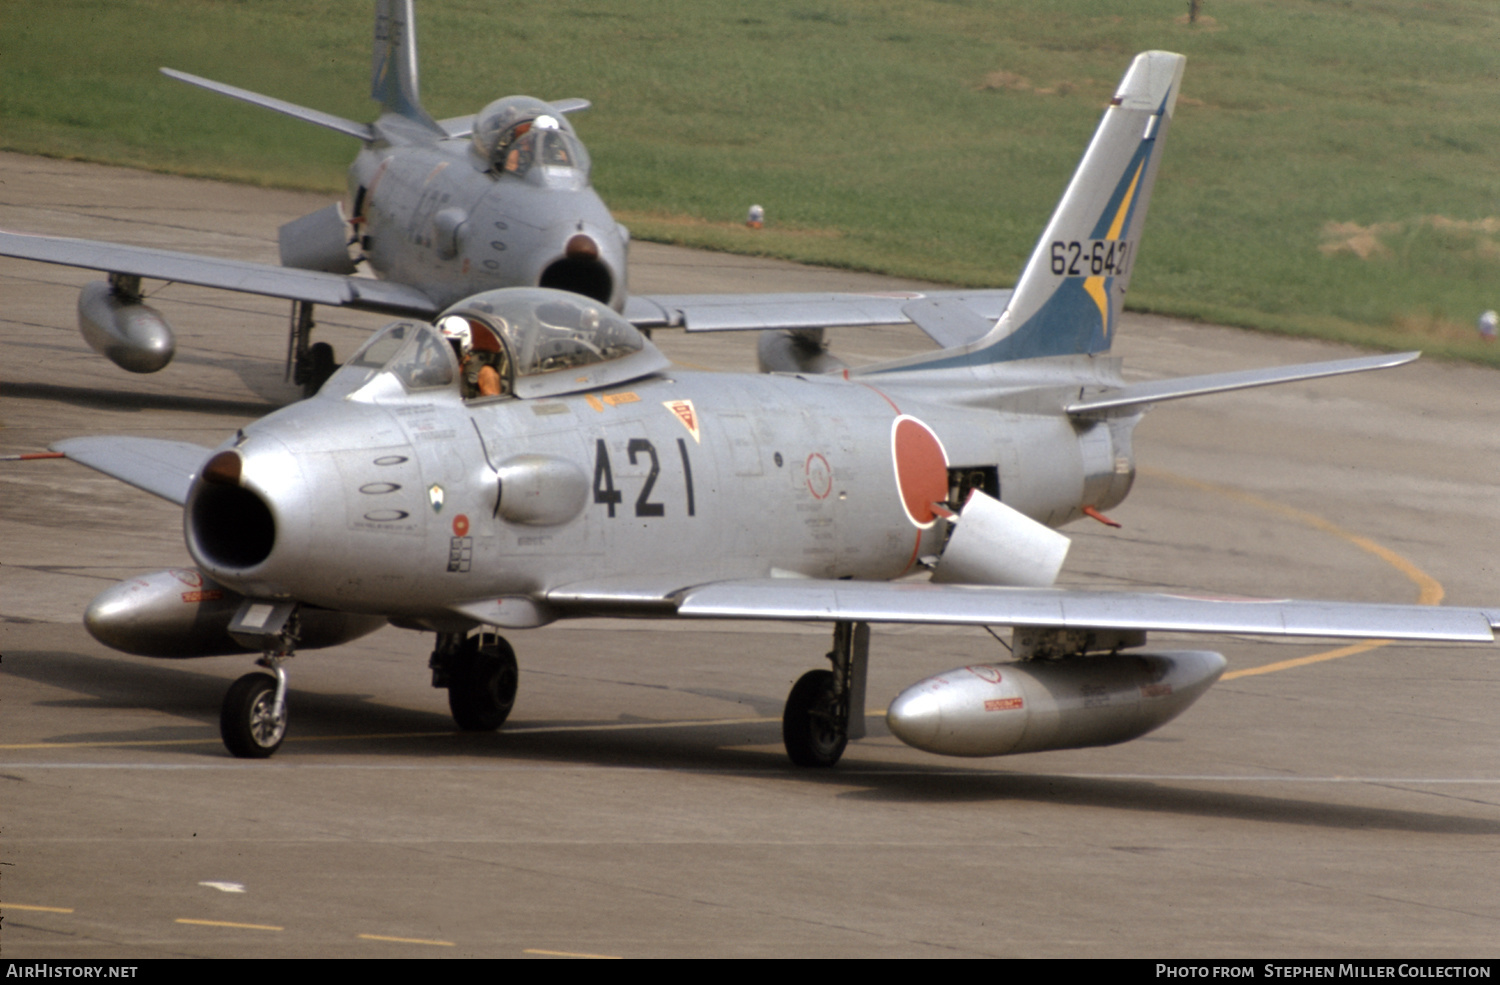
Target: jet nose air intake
x,y
581,270
230,527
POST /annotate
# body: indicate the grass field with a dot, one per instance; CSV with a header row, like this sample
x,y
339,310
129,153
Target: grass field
x,y
1333,169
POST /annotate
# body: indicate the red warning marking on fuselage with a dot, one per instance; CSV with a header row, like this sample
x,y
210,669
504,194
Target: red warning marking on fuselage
x,y
190,577
985,673
685,412
819,476
204,596
1004,704
921,469
461,525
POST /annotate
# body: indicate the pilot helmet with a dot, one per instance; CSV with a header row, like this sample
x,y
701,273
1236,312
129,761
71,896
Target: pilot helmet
x,y
456,330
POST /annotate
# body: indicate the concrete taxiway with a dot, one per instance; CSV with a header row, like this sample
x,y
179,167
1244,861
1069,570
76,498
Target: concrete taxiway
x,y
639,803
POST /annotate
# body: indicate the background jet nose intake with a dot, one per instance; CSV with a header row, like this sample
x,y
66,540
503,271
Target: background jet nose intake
x,y
580,270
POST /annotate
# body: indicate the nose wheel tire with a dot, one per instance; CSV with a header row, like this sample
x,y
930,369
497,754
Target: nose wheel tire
x,y
482,683
248,721
811,727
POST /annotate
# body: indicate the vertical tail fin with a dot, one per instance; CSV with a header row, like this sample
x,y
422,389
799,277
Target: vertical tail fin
x,y
1071,293
393,79
1072,290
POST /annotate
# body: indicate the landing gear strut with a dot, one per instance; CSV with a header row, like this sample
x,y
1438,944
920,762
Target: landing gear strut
x,y
308,363
826,707
481,676
253,718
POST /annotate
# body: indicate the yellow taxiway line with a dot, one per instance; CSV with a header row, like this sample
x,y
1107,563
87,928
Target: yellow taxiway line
x,y
225,923
1429,590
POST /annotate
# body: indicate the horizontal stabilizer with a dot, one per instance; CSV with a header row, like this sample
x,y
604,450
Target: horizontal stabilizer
x,y
458,126
1054,608
162,468
350,127
947,322
1139,395
313,286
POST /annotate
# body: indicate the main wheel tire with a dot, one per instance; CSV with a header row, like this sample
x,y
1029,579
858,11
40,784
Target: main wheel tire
x,y
482,683
248,722
810,726
321,364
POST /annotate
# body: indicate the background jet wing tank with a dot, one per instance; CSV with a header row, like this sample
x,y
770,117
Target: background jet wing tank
x,y
312,286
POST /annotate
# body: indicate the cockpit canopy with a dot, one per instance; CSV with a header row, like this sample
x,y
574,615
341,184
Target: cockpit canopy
x,y
518,133
402,357
553,342
541,342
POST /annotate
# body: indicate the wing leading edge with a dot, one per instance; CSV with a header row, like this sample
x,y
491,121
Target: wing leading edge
x,y
162,468
312,286
1042,608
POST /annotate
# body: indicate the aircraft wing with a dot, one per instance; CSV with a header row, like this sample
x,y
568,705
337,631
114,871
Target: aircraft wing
x,y
162,468
1053,608
350,127
314,286
946,315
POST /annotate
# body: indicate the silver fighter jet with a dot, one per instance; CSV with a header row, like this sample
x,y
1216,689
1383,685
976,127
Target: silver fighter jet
x,y
599,480
440,210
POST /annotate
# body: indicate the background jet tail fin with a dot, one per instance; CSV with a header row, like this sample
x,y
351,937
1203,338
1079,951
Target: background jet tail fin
x,y
1071,292
393,77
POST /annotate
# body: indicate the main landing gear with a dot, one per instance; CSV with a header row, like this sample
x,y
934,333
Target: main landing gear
x,y
308,363
826,707
480,674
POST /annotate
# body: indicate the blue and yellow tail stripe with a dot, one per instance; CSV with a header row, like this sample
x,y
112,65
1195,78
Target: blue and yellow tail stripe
x,y
1079,316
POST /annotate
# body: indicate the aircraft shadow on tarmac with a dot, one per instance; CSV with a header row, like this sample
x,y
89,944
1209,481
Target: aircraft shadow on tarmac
x,y
715,747
93,398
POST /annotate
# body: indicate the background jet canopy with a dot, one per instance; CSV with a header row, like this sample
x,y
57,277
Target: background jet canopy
x,y
509,137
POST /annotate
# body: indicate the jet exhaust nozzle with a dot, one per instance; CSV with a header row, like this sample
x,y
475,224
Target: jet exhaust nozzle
x,y
132,335
1001,709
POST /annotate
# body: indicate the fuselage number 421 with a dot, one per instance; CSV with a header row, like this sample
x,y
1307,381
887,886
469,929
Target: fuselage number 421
x,y
605,493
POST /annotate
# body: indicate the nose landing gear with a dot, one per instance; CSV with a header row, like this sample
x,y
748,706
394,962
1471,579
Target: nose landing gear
x,y
253,718
252,721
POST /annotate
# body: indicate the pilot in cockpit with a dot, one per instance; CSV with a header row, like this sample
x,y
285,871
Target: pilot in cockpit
x,y
521,146
482,377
